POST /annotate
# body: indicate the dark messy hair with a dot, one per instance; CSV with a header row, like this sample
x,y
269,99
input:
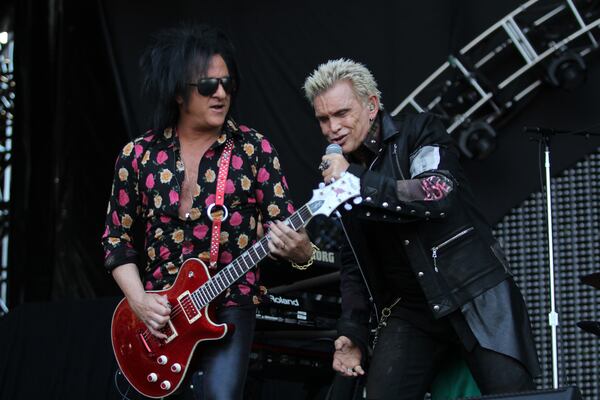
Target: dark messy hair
x,y
176,57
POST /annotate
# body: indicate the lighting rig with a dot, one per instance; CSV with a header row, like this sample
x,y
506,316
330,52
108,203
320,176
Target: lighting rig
x,y
476,90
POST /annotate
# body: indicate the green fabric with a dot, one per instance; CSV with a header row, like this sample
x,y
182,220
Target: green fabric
x,y
454,381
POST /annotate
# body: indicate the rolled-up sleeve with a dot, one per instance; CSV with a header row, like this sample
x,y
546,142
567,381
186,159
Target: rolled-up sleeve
x,y
117,241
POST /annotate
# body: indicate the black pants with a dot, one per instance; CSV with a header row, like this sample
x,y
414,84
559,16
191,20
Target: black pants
x,y
221,366
406,359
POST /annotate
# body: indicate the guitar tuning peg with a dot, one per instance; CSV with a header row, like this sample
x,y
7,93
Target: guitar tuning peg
x,y
321,185
347,206
357,200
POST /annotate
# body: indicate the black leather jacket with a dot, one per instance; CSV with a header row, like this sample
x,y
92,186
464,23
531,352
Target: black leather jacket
x,y
448,244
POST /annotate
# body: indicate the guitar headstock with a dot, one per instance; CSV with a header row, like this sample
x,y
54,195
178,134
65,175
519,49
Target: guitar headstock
x,y
326,199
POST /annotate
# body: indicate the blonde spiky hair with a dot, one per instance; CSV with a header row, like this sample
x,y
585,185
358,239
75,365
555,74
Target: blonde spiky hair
x,y
328,74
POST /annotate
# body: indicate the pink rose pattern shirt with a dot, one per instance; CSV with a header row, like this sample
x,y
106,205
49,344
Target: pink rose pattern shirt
x,y
146,188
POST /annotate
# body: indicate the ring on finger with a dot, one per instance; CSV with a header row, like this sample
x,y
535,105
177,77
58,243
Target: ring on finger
x,y
324,165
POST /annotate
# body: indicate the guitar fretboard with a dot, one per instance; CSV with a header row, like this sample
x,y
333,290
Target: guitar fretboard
x,y
245,262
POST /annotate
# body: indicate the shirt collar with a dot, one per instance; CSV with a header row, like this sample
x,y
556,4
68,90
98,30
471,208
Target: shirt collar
x,y
230,129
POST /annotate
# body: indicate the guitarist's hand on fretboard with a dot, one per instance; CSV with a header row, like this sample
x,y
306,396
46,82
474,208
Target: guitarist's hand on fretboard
x,y
153,310
288,244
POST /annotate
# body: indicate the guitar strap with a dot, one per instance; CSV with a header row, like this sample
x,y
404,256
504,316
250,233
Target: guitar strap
x,y
220,215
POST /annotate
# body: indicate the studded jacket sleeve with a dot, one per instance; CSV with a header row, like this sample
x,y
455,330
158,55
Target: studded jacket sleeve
x,y
424,185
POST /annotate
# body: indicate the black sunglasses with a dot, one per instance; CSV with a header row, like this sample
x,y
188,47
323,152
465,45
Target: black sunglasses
x,y
208,86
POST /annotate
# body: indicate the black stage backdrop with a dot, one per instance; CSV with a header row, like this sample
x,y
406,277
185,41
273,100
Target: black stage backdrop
x,y
78,102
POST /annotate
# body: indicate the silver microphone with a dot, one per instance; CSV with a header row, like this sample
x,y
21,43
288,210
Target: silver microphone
x,y
333,148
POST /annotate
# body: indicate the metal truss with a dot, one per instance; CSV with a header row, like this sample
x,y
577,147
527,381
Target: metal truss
x,y
542,41
7,105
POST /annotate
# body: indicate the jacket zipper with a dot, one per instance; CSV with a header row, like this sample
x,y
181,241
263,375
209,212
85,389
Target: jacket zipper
x,y
398,162
435,249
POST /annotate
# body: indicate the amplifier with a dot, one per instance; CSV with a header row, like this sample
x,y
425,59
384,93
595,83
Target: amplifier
x,y
565,393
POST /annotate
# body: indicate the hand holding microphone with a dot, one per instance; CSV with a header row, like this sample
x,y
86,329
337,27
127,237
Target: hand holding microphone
x,y
333,163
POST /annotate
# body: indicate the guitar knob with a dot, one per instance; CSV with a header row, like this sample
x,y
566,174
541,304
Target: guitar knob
x,y
152,377
165,385
176,368
357,200
347,206
162,360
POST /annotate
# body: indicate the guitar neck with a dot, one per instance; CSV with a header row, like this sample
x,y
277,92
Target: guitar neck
x,y
246,261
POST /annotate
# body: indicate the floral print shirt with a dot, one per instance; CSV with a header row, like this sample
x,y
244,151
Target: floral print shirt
x,y
146,188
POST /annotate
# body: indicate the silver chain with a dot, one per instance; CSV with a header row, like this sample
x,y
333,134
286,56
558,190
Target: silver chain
x,y
385,313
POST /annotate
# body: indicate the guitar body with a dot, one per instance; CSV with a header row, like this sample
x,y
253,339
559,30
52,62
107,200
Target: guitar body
x,y
156,367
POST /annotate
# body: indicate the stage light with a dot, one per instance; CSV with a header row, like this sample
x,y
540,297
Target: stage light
x,y
567,71
477,140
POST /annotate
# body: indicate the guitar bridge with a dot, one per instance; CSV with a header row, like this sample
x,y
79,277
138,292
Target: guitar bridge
x,y
189,308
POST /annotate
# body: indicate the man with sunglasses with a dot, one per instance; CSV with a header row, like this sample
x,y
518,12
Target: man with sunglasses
x,y
169,180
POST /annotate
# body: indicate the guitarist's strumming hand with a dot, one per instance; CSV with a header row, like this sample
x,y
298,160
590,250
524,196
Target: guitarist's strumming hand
x,y
347,357
153,310
332,166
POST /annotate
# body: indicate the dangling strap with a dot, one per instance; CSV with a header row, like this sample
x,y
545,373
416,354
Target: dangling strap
x,y
220,197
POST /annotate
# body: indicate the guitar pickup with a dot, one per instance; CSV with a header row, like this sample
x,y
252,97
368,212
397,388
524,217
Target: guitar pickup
x,y
170,331
189,308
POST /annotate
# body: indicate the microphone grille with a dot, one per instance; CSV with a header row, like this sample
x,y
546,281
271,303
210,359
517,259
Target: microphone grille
x,y
333,148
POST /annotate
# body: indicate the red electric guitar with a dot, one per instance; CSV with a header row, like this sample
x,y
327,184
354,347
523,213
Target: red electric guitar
x,y
156,367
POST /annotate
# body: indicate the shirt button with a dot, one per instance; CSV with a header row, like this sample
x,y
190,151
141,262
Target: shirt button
x,y
406,242
436,308
420,274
